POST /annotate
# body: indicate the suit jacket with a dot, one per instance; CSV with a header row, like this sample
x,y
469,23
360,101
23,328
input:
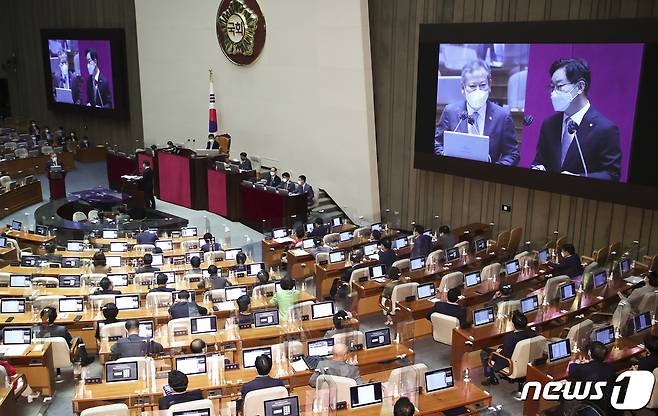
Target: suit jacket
x,y
218,282
177,398
336,368
273,181
498,125
450,309
636,296
595,371
320,231
570,266
387,258
599,141
445,241
422,246
259,383
147,269
509,343
103,98
648,363
308,190
146,237
162,289
288,186
246,165
147,181
206,247
107,292
75,82
212,145
53,331
135,346
186,310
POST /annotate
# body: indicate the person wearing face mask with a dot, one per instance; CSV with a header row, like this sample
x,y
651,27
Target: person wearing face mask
x,y
274,179
286,183
598,137
56,175
212,143
98,88
304,188
66,79
245,163
569,263
483,117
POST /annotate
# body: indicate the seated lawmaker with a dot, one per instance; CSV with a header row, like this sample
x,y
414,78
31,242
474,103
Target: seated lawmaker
x,y
286,183
245,163
110,313
210,244
240,260
306,189
161,281
595,369
569,263
216,281
650,285
404,407
503,294
262,278
393,275
422,243
445,239
178,381
597,153
274,179
477,115
319,247
185,307
245,317
451,307
147,267
263,380
133,345
48,329
50,256
520,322
106,287
195,264
339,328
336,366
99,263
320,229
198,346
146,237
386,255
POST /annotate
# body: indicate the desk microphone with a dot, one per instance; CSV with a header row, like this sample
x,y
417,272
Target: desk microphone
x,y
527,120
463,116
471,120
572,127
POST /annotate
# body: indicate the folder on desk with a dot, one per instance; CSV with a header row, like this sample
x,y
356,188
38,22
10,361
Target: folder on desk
x,y
466,146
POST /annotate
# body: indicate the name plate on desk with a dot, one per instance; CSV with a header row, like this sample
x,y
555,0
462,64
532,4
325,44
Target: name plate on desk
x,y
341,405
244,326
363,279
410,298
161,374
194,279
93,380
297,357
180,333
269,294
231,366
305,317
241,274
323,262
114,338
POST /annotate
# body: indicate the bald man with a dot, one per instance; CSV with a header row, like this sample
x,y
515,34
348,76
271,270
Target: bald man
x,y
336,366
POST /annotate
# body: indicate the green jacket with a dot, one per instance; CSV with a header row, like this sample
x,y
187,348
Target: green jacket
x,y
285,299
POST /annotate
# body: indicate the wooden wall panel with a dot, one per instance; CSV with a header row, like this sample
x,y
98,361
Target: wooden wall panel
x,y
20,31
420,195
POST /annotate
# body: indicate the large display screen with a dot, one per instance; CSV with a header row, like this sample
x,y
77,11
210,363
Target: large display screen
x,y
519,104
85,69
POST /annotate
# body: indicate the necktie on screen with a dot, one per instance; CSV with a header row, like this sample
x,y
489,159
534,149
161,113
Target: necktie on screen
x,y
475,129
566,140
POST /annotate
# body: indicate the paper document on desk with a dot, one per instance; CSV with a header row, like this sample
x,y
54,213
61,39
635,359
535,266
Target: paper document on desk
x,y
634,279
131,177
380,280
13,350
299,366
434,300
298,252
283,240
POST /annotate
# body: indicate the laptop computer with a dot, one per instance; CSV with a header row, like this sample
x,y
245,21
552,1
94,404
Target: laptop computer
x,y
438,380
559,350
366,395
605,335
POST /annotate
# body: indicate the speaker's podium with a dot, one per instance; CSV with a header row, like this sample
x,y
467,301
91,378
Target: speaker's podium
x,y
183,177
57,182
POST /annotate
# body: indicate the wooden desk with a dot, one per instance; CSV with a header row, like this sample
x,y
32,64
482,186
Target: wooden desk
x,y
35,165
224,192
8,254
37,367
325,275
465,341
91,154
7,401
33,241
619,356
21,197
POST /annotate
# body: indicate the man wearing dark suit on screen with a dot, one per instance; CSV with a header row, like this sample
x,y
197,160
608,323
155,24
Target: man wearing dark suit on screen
x,y
98,87
557,149
147,185
483,117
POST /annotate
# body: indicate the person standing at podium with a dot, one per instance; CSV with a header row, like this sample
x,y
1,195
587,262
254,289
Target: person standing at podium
x,y
56,175
147,185
212,143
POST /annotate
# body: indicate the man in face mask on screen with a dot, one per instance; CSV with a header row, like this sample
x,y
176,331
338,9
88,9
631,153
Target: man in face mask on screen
x,y
577,140
477,115
98,88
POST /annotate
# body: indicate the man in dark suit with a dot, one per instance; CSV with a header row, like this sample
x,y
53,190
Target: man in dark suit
x,y
386,255
422,243
320,229
161,281
245,163
286,183
210,244
106,287
185,308
98,87
477,115
451,308
520,322
212,143
445,240
595,369
147,267
569,263
54,162
133,345
557,149
64,78
263,380
146,237
48,329
304,188
177,380
147,185
50,256
274,179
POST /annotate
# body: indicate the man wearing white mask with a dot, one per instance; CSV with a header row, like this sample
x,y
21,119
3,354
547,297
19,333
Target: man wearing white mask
x,y
67,79
477,115
98,88
596,153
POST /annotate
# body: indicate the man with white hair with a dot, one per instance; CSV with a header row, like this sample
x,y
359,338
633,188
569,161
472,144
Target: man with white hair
x,y
336,366
477,115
